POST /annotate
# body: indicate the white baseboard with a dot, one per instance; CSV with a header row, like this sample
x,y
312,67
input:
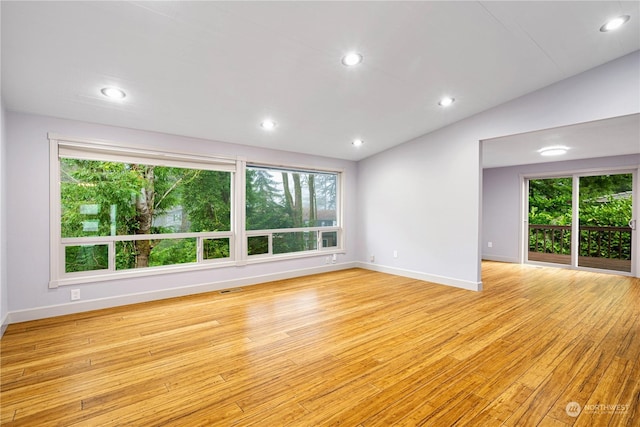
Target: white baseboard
x,y
5,323
82,306
500,258
441,280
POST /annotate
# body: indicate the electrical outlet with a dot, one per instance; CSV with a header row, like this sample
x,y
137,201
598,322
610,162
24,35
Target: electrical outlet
x,y
373,258
489,244
75,294
395,254
327,260
334,258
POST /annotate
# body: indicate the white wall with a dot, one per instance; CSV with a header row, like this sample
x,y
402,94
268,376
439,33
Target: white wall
x,y
501,199
406,206
4,291
28,219
423,198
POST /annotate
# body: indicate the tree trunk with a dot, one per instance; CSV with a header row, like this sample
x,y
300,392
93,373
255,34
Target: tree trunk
x,y
313,206
293,204
144,214
313,210
288,200
297,187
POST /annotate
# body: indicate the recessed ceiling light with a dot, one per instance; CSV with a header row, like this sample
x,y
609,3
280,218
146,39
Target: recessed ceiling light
x,y
446,101
357,142
351,59
555,150
268,124
614,23
113,92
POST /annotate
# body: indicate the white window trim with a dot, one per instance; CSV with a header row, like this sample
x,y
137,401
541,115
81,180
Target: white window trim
x,y
80,148
237,236
270,232
340,249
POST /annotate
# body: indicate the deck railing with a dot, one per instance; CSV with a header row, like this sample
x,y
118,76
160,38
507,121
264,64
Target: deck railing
x,y
551,239
599,242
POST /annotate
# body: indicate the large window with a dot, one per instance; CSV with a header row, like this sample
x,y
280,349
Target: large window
x,y
120,210
106,199
290,211
135,211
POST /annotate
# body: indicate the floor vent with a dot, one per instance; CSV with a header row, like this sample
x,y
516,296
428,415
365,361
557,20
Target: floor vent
x,y
230,291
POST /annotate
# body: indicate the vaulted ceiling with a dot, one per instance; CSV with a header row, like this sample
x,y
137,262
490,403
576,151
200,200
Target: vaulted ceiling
x,y
215,70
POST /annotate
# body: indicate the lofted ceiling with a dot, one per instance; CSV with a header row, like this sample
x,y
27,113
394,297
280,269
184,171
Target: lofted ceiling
x,y
215,70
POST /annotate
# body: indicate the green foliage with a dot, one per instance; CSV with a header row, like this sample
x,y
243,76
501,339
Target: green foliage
x,y
206,198
173,251
97,197
265,208
258,245
86,258
125,255
550,201
603,185
216,248
612,213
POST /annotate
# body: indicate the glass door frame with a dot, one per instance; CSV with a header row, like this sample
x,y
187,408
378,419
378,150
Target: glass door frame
x,y
575,217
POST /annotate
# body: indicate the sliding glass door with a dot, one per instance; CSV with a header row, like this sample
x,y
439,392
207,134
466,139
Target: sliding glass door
x,y
605,211
581,221
550,215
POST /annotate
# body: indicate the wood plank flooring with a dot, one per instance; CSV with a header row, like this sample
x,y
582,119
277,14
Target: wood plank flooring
x,y
350,348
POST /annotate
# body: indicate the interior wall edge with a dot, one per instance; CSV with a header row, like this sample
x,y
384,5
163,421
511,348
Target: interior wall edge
x,y
5,324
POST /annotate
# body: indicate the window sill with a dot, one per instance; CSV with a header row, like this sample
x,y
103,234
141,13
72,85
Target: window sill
x,y
79,278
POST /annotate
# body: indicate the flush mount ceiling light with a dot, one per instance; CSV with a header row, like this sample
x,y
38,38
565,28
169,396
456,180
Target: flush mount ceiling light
x,y
113,92
446,101
555,150
614,23
351,59
268,124
357,142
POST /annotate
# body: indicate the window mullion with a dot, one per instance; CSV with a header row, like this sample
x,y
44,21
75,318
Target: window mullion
x,y
112,256
56,256
199,250
239,212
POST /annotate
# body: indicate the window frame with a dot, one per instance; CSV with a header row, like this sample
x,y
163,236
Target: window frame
x,y
60,146
85,149
338,228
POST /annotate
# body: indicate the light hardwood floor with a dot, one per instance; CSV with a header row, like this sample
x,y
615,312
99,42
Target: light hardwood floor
x,y
351,348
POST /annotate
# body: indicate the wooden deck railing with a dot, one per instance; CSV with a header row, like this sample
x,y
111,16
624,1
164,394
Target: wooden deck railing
x,y
554,239
606,242
552,243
